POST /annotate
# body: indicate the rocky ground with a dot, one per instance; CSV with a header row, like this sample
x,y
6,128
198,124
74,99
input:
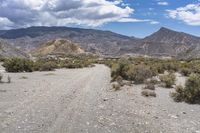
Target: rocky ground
x,y
81,101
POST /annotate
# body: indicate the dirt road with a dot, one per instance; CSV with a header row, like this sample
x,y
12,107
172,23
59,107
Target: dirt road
x,y
81,101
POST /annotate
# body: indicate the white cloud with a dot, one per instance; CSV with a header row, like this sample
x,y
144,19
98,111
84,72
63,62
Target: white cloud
x,y
128,20
163,3
5,23
23,13
190,14
131,20
154,22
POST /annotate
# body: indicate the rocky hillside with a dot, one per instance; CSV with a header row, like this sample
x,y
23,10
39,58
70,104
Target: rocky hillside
x,y
6,50
58,47
164,42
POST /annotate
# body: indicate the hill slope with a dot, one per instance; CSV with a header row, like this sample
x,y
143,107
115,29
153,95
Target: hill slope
x,y
58,46
6,50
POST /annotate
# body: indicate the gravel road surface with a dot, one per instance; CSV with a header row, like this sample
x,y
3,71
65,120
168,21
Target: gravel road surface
x,y
81,101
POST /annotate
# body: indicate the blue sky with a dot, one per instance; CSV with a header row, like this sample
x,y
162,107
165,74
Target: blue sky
x,y
137,18
150,9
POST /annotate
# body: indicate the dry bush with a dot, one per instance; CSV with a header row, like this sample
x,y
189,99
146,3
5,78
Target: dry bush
x,y
148,93
149,86
178,95
116,86
139,73
185,71
168,79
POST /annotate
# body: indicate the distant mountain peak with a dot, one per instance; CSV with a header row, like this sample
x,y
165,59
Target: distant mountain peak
x,y
164,29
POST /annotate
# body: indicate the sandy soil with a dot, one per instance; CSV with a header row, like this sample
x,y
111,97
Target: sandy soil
x,y
81,101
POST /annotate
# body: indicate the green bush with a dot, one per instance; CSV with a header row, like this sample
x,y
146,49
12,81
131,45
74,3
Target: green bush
x,y
168,79
18,65
191,92
192,89
120,69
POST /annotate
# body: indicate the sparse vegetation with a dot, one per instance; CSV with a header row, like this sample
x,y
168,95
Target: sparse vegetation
x,y
26,65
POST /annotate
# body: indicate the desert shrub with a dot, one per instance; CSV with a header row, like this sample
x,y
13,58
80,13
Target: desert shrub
x,y
148,93
153,80
185,71
191,92
139,73
77,63
45,66
149,86
18,65
116,86
159,67
119,80
179,94
168,79
170,66
192,89
74,65
120,69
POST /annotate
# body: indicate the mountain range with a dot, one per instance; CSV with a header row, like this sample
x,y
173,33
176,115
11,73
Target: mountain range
x,y
164,42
